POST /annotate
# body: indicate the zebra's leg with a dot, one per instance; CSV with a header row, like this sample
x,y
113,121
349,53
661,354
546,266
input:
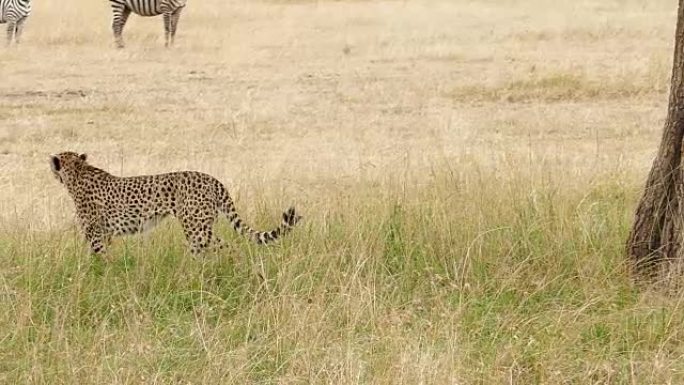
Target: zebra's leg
x,y
121,13
11,30
19,29
175,16
167,28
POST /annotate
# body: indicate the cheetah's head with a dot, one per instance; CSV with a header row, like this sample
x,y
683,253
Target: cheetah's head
x,y
66,165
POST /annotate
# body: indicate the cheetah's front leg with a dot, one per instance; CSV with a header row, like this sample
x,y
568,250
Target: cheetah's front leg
x,y
97,240
95,233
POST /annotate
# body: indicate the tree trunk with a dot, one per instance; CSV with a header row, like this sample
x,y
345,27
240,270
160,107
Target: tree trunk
x,y
656,236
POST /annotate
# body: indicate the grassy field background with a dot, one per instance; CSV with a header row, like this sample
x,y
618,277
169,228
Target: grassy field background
x,y
467,171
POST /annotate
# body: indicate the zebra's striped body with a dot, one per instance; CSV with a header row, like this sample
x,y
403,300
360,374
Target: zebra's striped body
x,y
14,13
169,9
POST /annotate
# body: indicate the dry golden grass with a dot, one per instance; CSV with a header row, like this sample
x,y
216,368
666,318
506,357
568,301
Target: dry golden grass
x,y
467,171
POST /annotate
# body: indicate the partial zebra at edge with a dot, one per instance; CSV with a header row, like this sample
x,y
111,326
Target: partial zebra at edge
x,y
14,13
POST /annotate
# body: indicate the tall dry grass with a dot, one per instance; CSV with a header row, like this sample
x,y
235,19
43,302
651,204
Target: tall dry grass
x,y
467,172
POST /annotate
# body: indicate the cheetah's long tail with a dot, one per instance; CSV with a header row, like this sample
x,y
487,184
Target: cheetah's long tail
x,y
290,219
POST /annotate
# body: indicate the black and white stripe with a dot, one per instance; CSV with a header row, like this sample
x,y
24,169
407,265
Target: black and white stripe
x,y
14,13
170,9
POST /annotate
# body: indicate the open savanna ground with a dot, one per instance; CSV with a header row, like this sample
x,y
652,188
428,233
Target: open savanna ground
x,y
467,172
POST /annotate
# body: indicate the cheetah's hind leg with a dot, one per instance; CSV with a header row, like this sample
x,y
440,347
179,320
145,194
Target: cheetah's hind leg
x,y
198,233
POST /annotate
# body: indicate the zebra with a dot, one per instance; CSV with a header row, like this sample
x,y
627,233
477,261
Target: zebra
x,y
169,9
14,13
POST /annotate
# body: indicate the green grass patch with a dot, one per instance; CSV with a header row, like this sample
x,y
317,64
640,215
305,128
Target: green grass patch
x,y
523,280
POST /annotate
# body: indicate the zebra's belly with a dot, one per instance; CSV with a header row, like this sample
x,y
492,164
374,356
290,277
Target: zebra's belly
x,y
147,14
144,7
154,7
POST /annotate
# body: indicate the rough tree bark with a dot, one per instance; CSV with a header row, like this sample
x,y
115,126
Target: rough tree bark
x,y
656,239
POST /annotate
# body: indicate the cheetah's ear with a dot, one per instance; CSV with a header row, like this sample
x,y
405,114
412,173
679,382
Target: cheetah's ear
x,y
55,163
83,157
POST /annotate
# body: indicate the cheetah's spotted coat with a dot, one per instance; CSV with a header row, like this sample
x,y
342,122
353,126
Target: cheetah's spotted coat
x,y
107,205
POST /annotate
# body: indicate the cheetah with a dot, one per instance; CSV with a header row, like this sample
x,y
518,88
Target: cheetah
x,y
108,205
